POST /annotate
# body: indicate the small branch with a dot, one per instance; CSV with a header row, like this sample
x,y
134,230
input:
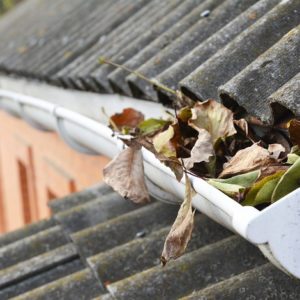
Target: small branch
x,y
103,60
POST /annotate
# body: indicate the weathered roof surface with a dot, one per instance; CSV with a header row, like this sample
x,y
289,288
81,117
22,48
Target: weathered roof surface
x,y
100,246
243,52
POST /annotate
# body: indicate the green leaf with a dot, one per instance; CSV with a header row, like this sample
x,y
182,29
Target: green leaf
x,y
291,158
184,114
255,189
264,195
288,182
235,186
152,125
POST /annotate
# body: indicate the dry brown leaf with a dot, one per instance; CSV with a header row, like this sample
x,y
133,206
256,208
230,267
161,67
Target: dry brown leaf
x,y
125,174
248,159
294,130
275,150
171,162
181,231
243,125
213,117
202,150
129,118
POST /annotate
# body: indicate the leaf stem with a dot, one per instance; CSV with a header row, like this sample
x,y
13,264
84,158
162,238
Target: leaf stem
x,y
103,60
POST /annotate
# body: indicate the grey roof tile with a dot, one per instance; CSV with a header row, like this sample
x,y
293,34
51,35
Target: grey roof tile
x,y
188,63
205,266
171,41
31,246
264,282
26,231
80,285
240,52
119,259
78,198
270,71
93,212
219,17
123,228
143,253
37,264
46,276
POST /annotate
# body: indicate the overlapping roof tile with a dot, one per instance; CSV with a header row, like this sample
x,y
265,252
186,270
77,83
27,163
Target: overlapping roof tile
x,y
242,52
112,255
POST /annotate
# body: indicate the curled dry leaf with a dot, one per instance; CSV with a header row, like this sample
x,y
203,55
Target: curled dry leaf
x,y
213,117
243,125
248,159
125,174
171,162
202,150
275,150
294,130
181,231
128,118
163,143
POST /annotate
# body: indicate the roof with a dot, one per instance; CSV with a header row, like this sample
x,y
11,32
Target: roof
x,y
100,246
244,52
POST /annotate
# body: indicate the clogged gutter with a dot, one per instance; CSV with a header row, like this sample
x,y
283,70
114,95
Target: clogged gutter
x,y
254,164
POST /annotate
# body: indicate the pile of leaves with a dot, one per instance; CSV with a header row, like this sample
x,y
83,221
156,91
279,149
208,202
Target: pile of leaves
x,y
252,163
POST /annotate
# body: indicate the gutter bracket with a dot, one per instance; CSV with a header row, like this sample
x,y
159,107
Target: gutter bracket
x,y
29,120
69,140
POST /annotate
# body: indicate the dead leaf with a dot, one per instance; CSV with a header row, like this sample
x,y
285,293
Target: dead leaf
x,y
275,150
202,150
171,162
213,117
162,142
125,174
294,130
128,118
248,159
181,231
243,125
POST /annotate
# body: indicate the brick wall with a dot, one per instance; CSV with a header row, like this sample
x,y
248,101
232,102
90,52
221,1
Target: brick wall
x,y
36,167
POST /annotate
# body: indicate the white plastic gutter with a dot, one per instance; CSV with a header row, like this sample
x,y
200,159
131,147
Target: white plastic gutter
x,y
275,230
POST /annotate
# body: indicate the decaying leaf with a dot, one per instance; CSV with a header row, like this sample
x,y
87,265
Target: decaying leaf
x,y
128,118
213,117
171,162
248,159
275,150
151,126
184,114
181,231
288,182
235,186
243,125
202,150
294,130
125,174
163,144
